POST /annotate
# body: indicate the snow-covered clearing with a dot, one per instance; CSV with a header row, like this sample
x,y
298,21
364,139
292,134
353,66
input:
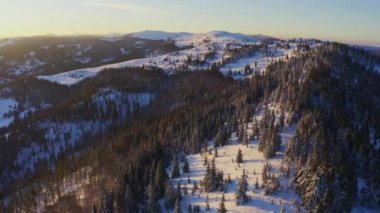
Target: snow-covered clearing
x,y
259,61
7,105
253,165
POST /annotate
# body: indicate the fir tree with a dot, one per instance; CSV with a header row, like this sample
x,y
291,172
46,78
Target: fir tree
x,y
152,204
207,180
239,157
245,139
229,179
160,179
241,192
175,167
170,196
207,204
179,191
189,208
107,205
241,133
221,137
281,120
177,207
222,208
186,167
128,199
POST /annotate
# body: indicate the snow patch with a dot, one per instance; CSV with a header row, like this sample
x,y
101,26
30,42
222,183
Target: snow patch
x,y
124,51
112,38
7,105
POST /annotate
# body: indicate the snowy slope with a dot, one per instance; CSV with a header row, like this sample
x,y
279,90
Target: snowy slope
x,y
202,51
253,164
258,61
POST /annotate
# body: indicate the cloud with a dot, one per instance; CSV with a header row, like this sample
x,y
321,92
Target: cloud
x,y
125,6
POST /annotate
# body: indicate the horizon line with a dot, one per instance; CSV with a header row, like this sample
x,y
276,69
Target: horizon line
x,y
350,42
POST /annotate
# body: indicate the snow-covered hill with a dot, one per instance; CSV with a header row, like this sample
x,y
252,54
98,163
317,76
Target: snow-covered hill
x,y
159,35
230,52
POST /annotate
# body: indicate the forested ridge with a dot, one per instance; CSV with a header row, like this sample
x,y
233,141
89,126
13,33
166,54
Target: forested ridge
x,y
330,91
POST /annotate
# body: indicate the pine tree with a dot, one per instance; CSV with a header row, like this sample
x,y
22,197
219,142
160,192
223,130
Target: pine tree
x,y
128,199
195,186
160,179
239,157
107,205
241,192
190,208
221,137
175,167
207,180
241,133
177,207
152,204
229,179
179,191
216,152
170,196
245,139
281,120
207,204
213,175
222,208
186,167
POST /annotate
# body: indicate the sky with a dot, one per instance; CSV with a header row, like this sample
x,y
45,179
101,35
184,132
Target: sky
x,y
351,21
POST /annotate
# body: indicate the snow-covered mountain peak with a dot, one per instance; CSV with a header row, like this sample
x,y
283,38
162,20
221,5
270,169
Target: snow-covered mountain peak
x,y
159,35
189,39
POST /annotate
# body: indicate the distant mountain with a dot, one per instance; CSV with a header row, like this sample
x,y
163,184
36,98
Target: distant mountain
x,y
159,35
49,55
375,49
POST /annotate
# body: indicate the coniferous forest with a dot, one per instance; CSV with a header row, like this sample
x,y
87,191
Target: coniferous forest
x,y
125,133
